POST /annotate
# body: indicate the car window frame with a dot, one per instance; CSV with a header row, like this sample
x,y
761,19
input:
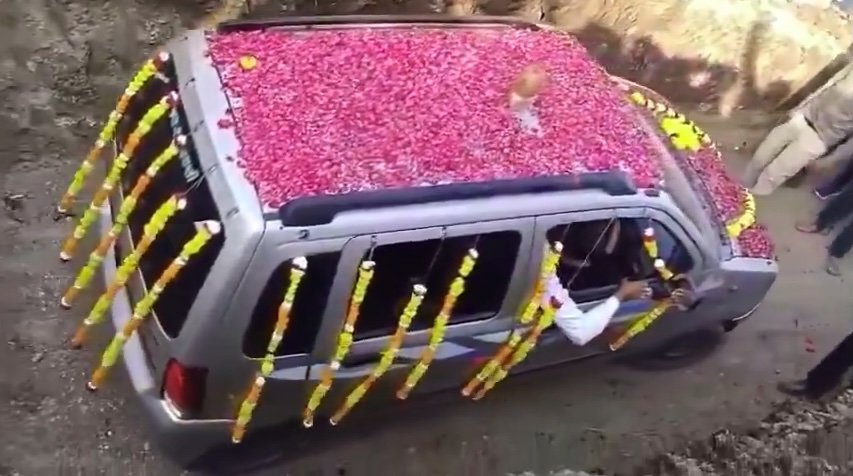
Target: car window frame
x,y
358,247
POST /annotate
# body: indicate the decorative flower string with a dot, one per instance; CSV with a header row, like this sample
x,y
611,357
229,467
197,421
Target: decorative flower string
x,y
148,71
84,277
684,134
345,338
546,319
298,268
119,164
154,226
549,267
650,243
204,232
457,287
415,301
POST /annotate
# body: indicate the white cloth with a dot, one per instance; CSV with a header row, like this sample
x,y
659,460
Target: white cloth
x,y
580,327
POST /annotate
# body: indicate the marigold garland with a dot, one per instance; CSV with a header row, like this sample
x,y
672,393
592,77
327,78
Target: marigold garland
x,y
546,271
148,71
119,164
84,276
405,320
345,339
457,287
204,232
641,323
298,268
685,134
150,232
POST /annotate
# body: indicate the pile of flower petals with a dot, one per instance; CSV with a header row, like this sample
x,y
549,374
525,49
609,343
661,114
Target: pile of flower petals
x,y
337,111
728,196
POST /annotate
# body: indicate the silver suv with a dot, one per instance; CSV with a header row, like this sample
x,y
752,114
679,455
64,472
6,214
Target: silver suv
x,y
194,360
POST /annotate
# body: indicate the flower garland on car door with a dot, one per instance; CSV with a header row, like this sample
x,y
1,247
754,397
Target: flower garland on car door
x,y
650,245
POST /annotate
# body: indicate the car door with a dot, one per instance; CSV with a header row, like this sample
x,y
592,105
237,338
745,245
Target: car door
x,y
554,347
503,247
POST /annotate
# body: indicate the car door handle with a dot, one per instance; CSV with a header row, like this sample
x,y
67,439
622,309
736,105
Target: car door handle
x,y
361,360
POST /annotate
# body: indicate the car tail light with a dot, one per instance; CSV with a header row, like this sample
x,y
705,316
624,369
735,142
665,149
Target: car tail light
x,y
183,388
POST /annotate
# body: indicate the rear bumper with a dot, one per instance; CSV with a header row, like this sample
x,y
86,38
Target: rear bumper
x,y
183,441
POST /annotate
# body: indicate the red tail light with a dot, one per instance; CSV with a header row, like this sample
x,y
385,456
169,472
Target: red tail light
x,y
183,387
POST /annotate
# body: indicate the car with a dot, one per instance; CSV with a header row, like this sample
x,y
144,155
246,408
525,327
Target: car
x,y
368,202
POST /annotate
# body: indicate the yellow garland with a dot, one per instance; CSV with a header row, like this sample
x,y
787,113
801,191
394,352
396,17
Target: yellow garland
x,y
84,276
546,271
405,320
684,134
119,164
546,319
154,226
345,339
205,231
457,287
148,71
298,267
642,322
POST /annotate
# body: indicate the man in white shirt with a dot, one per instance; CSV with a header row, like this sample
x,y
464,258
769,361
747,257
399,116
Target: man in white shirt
x,y
581,327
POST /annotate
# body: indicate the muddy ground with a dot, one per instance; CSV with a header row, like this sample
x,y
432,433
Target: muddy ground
x,y
54,86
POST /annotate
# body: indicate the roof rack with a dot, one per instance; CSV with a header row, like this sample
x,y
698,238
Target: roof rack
x,y
308,22
322,209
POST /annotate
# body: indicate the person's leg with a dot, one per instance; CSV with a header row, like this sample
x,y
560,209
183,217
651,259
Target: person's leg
x,y
839,247
826,375
836,209
805,148
831,369
776,141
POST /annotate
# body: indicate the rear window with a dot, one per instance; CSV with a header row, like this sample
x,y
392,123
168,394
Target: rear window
x,y
172,307
398,267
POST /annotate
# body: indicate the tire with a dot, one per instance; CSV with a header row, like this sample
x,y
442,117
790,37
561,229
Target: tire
x,y
682,352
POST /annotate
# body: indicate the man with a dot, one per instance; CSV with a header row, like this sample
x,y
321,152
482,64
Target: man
x,y
581,327
836,209
837,164
823,122
826,375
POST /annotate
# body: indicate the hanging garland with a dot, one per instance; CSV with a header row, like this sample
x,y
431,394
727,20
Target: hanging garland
x,y
149,70
345,339
204,232
298,268
546,271
155,225
650,244
84,277
119,164
403,323
457,287
686,135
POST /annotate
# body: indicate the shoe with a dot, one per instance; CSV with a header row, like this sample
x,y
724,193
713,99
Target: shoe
x,y
823,195
797,389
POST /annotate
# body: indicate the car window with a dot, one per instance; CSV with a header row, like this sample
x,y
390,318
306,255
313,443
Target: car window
x,y
598,254
434,263
306,315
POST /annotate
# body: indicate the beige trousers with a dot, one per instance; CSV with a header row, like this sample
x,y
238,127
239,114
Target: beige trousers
x,y
786,150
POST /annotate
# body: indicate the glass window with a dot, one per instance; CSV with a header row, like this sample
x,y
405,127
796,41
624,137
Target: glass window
x,y
434,263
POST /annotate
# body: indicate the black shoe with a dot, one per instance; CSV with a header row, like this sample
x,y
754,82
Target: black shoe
x,y
798,389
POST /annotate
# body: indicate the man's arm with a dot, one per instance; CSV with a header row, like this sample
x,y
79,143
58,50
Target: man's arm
x,y
839,155
581,327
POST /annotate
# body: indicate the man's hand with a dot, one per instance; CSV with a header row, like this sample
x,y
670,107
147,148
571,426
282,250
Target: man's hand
x,y
633,290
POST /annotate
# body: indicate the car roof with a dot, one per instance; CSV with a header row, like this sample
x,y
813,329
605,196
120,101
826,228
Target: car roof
x,y
335,111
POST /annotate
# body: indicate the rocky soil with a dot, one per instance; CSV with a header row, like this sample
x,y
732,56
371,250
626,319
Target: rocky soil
x,y
63,62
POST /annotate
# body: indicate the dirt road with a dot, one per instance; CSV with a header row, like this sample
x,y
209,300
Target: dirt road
x,y
587,417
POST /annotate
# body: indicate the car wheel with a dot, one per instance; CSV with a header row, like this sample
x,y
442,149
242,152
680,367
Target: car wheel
x,y
681,352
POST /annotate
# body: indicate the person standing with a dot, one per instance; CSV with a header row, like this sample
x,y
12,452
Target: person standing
x,y
824,377
822,123
836,209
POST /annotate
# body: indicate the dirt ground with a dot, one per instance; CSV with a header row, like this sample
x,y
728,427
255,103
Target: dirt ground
x,y
591,417
54,73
